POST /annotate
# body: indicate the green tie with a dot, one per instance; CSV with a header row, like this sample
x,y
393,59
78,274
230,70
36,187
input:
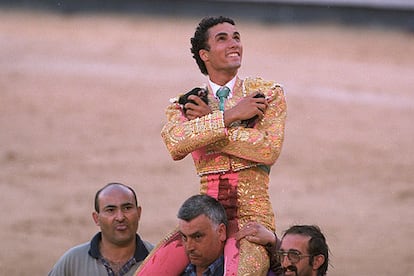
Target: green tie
x,y
222,94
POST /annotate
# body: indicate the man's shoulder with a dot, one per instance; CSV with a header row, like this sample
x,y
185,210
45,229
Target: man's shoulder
x,y
78,250
149,246
269,88
72,261
259,82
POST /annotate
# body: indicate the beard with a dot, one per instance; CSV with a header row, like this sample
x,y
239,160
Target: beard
x,y
291,268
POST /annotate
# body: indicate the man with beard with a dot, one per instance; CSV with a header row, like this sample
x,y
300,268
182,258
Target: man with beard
x,y
302,251
117,249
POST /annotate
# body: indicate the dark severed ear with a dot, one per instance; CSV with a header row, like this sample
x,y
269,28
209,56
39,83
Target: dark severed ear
x,y
252,121
200,92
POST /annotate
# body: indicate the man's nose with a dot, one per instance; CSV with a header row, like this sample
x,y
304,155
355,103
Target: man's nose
x,y
119,215
234,42
285,261
189,245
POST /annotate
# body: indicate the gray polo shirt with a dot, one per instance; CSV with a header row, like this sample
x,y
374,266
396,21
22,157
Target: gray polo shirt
x,y
85,259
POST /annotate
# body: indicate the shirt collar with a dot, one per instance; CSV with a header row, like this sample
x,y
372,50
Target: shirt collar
x,y
230,85
140,250
213,269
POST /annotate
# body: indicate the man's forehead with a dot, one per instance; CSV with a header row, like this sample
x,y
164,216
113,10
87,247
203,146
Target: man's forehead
x,y
199,224
116,195
295,241
115,190
117,203
223,28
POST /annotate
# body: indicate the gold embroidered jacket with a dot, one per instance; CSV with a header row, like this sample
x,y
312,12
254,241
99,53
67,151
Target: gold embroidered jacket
x,y
216,148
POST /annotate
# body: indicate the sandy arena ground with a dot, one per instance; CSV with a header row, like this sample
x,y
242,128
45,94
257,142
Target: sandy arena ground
x,y
82,101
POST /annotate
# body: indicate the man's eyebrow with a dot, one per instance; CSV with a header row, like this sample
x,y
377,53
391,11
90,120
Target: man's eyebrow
x,y
221,33
109,206
182,234
291,250
226,34
195,234
116,206
192,235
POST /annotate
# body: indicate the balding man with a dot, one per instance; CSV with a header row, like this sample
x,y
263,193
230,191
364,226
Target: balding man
x,y
117,249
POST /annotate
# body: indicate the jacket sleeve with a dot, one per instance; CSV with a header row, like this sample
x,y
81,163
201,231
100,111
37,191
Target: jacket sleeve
x,y
263,143
182,136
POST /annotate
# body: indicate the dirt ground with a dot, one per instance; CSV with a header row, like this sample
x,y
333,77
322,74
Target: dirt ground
x,y
82,101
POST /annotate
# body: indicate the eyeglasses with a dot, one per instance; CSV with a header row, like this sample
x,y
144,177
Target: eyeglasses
x,y
293,256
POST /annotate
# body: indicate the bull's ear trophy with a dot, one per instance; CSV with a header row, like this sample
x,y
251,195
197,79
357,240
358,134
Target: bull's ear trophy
x,y
198,91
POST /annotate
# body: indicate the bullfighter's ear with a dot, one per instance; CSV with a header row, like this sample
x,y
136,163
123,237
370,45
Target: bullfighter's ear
x,y
204,55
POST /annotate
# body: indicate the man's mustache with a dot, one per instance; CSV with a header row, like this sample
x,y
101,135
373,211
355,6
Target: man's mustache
x,y
291,268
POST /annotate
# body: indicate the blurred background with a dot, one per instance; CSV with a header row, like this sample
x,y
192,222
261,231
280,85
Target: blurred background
x,y
366,12
84,85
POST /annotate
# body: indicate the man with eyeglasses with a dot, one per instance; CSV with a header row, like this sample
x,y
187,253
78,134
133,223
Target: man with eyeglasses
x,y
302,251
